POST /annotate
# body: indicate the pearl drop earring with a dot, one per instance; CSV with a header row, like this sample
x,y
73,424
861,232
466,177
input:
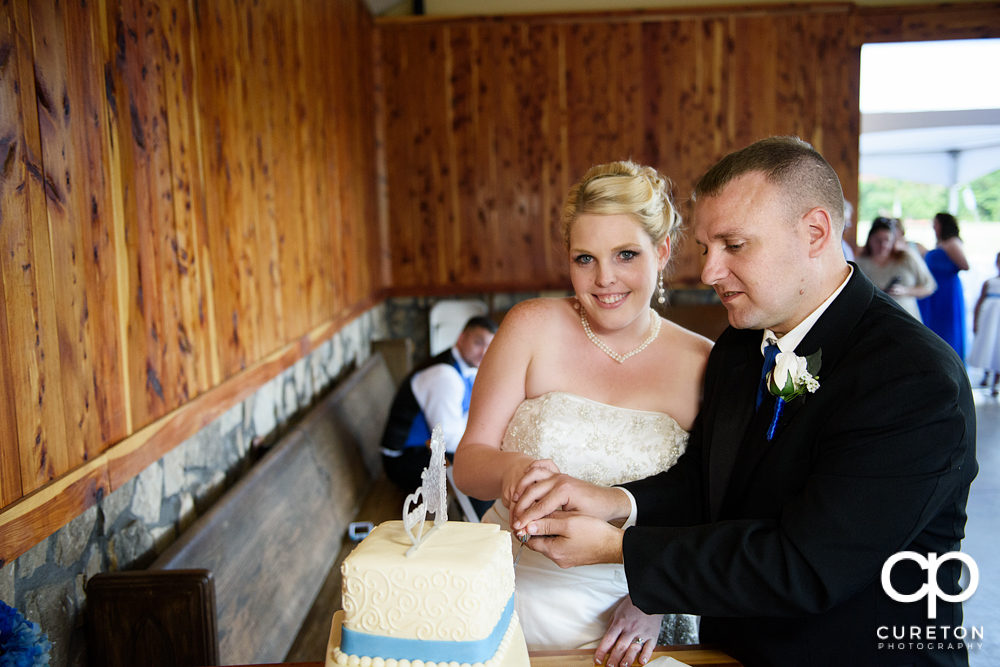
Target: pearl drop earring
x,y
662,298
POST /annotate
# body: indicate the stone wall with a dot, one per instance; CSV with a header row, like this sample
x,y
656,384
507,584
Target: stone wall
x,y
130,527
409,316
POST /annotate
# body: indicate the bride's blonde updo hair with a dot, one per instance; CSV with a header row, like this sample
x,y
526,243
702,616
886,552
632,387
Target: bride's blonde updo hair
x,y
624,188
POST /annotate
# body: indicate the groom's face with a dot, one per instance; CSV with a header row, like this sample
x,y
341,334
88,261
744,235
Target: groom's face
x,y
756,253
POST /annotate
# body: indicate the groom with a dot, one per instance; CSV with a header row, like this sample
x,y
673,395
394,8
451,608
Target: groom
x,y
776,523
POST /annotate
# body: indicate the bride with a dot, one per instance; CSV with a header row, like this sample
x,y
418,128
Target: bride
x,y
598,387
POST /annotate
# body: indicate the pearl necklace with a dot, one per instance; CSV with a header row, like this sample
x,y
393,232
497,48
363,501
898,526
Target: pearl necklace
x,y
620,358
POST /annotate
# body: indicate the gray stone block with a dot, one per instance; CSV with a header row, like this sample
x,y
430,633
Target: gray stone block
x,y
114,504
148,494
33,559
162,537
173,471
132,546
7,583
265,408
73,538
206,494
231,418
94,564
186,514
290,403
54,609
205,449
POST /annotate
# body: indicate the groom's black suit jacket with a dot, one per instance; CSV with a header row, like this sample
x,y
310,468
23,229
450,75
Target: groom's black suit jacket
x,y
779,545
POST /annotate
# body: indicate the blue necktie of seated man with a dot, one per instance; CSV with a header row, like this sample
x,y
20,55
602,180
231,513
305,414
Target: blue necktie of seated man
x,y
770,354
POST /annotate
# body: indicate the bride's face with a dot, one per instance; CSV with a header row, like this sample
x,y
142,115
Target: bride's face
x,y
613,266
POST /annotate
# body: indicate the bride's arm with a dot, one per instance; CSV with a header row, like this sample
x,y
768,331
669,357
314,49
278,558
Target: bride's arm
x,y
481,469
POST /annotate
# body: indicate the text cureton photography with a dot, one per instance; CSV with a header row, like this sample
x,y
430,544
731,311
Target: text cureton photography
x,y
930,637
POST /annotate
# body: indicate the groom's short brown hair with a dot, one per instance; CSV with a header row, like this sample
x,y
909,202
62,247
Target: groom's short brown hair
x,y
787,162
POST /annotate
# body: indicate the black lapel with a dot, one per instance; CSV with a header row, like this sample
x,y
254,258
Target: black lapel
x,y
735,397
830,334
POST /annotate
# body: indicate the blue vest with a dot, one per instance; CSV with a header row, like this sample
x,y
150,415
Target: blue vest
x,y
408,425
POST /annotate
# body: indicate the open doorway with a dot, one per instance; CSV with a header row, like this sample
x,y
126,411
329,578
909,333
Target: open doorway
x,y
930,142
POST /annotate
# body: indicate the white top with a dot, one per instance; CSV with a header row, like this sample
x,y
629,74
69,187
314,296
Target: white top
x,y
439,392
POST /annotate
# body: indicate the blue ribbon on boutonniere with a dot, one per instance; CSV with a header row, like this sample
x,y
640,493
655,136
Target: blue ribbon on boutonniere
x,y
798,376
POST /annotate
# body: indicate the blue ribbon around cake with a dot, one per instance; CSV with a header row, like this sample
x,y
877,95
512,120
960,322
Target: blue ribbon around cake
x,y
357,643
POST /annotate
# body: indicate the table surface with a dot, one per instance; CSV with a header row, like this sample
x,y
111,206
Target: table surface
x,y
703,656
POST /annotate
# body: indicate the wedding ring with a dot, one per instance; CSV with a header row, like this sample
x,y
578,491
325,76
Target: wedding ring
x,y
639,640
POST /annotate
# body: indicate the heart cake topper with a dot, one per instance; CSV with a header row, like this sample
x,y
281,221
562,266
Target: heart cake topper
x,y
430,497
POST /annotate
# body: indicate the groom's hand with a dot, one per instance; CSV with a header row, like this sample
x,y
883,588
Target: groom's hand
x,y
570,539
536,499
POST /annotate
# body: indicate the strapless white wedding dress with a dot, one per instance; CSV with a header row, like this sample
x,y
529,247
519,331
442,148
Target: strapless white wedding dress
x,y
598,443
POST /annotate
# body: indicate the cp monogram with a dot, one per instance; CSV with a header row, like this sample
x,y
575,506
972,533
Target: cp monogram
x,y
930,590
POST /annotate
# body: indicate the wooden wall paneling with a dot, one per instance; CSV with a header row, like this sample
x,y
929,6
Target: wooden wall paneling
x,y
331,85
14,206
63,209
365,153
688,123
304,135
533,87
605,63
259,242
220,108
418,167
70,85
438,222
10,464
141,180
318,97
381,166
462,82
102,247
487,86
283,275
349,160
401,202
841,115
913,23
26,264
195,336
164,381
554,177
506,250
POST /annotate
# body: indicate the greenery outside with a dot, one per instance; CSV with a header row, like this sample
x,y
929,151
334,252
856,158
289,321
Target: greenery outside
x,y
920,201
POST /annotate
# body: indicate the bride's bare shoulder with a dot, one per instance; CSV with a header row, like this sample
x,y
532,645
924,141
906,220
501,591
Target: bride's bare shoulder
x,y
686,341
539,315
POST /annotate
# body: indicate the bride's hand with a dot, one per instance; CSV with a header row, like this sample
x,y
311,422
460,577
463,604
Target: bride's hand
x,y
514,481
627,624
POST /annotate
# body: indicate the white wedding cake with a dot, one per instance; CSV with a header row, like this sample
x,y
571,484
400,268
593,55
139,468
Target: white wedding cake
x,y
429,598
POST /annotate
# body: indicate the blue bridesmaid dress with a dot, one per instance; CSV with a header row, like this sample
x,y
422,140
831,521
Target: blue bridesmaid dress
x,y
944,311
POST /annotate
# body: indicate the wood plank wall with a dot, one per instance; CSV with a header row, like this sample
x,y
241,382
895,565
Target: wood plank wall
x,y
489,121
186,190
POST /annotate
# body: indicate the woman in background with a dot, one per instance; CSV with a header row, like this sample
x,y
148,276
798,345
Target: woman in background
x,y
944,311
597,386
901,274
986,326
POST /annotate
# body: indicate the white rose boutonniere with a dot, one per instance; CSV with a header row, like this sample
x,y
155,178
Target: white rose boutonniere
x,y
792,377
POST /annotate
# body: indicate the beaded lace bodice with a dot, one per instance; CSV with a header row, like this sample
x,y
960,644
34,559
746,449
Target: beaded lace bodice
x,y
598,443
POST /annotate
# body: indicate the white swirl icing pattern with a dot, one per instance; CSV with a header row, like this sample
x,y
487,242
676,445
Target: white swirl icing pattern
x,y
454,588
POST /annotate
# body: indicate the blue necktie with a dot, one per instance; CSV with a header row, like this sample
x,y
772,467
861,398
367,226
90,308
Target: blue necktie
x,y
770,353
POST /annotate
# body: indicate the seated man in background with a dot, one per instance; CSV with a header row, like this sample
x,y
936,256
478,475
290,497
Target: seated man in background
x,y
438,391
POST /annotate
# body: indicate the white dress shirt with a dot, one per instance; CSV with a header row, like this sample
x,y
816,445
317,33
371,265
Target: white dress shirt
x,y
439,392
